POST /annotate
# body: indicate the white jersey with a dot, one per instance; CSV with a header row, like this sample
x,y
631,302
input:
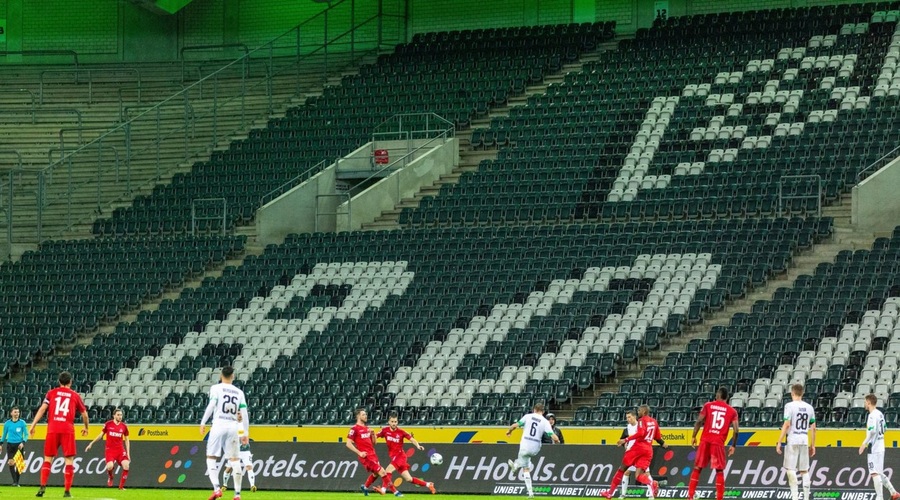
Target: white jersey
x,y
631,430
534,426
801,415
226,402
875,431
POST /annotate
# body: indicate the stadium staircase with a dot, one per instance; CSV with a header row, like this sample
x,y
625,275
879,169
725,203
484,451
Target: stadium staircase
x,y
471,156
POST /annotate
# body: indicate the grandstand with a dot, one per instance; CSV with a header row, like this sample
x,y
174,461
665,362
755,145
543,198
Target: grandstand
x,y
637,219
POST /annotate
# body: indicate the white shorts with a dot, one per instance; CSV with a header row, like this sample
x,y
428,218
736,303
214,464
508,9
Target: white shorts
x,y
876,462
796,457
526,452
223,441
246,459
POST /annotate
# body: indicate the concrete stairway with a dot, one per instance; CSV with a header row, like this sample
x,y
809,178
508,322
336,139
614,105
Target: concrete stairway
x,y
470,158
74,198
845,238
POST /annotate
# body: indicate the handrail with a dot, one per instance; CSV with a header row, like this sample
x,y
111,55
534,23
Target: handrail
x,y
42,53
862,173
90,73
290,183
139,89
74,111
62,144
30,93
199,48
9,200
348,213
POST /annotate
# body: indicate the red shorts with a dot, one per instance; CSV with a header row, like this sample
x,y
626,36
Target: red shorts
x,y
370,463
638,456
55,440
399,462
709,453
117,456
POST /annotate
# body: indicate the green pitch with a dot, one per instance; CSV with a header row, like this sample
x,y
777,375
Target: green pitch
x,y
160,494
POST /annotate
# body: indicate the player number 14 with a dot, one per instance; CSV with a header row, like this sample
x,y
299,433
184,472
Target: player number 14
x,y
62,406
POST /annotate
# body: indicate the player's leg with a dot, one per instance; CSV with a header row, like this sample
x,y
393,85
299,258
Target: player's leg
x,y
791,456
248,471
69,451
701,460
625,481
617,478
232,451
718,462
642,474
226,475
526,475
51,446
803,470
126,466
11,450
214,445
110,467
416,481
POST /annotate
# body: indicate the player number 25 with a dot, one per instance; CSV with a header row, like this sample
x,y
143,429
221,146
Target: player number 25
x,y
229,404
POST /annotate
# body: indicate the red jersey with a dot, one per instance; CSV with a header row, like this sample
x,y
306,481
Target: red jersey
x,y
115,435
394,439
363,439
62,406
719,416
647,431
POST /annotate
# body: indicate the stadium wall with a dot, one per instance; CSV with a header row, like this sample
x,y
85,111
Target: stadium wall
x,y
559,470
118,30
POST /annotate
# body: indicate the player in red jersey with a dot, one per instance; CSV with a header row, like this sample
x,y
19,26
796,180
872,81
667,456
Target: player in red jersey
x,y
640,455
394,437
717,418
118,448
361,441
63,404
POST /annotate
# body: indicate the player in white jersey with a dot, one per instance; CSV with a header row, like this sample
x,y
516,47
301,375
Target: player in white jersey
x,y
533,426
800,429
230,428
874,446
630,429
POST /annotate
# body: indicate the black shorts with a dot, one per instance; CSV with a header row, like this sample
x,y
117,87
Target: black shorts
x,y
11,450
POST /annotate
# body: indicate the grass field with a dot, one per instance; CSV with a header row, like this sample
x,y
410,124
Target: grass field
x,y
160,494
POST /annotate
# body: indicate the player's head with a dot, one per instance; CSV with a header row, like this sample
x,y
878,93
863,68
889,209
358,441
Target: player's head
x,y
538,408
14,412
871,402
394,420
227,374
797,392
118,415
65,379
643,410
630,417
361,415
722,394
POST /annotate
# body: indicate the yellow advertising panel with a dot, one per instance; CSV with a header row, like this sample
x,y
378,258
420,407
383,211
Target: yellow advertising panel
x,y
461,435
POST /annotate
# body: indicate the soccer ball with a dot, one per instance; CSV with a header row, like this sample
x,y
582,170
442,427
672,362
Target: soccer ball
x,y
436,459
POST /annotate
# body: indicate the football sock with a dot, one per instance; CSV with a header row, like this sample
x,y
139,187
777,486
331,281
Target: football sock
x,y
877,483
418,482
720,485
238,477
251,476
792,481
212,470
888,485
225,477
109,474
68,476
692,485
624,485
123,479
45,472
644,479
371,479
807,483
388,483
616,480
526,475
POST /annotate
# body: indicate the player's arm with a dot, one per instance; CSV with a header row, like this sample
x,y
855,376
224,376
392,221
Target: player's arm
x,y
734,438
784,431
870,435
812,437
86,420
701,418
641,433
99,436
38,416
24,433
210,407
245,422
352,447
515,425
6,427
127,446
658,438
416,443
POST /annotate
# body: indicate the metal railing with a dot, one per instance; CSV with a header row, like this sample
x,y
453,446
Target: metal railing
x,y
307,49
284,188
77,72
8,211
877,164
30,94
804,182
